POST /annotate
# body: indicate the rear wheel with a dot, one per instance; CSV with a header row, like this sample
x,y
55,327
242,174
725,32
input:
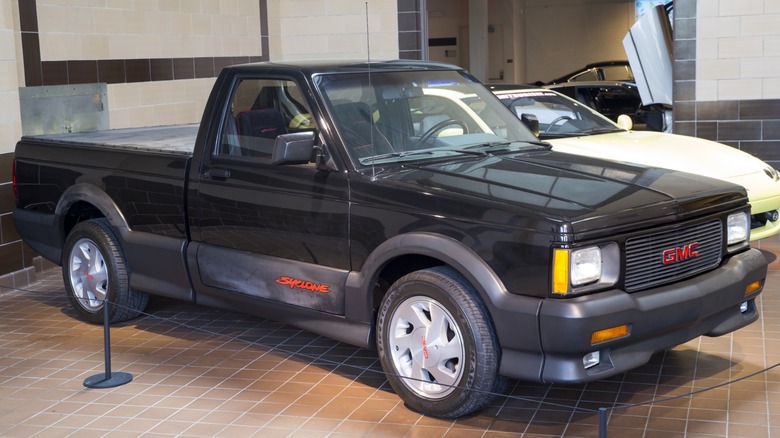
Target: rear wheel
x,y
94,270
437,344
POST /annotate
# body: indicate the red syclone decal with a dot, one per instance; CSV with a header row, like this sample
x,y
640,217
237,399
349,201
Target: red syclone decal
x,y
295,283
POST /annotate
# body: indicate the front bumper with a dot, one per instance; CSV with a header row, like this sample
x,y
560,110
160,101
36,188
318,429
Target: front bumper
x,y
659,318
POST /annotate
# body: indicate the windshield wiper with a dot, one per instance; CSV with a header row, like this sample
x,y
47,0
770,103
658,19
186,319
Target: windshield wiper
x,y
488,147
547,135
468,149
600,130
484,149
394,155
543,144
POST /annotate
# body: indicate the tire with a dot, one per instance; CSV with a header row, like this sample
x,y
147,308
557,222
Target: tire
x,y
437,344
94,269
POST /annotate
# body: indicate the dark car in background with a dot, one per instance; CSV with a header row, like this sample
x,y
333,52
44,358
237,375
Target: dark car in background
x,y
598,71
608,87
610,98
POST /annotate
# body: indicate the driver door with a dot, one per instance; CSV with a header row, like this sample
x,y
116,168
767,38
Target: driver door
x,y
263,230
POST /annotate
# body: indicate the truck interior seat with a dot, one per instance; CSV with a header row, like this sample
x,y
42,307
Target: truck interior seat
x,y
257,129
360,131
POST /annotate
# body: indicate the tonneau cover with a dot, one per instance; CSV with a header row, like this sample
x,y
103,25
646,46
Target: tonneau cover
x,y
177,139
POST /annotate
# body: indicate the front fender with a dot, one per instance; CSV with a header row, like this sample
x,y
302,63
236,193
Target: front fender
x,y
515,317
451,252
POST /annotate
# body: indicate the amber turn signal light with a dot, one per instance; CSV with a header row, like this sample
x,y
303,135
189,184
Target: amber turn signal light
x,y
609,334
561,271
752,287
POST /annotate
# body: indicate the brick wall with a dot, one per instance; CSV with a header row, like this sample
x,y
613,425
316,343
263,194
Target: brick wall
x,y
18,263
727,86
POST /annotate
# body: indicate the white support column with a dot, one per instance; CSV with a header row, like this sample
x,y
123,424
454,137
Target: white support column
x,y
519,56
478,38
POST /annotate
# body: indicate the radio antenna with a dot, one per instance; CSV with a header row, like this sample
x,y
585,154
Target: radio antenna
x,y
368,39
370,88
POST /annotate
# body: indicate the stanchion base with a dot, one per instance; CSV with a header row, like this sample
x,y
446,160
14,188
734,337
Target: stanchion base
x,y
99,380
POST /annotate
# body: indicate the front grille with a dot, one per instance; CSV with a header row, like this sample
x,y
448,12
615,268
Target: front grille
x,y
645,267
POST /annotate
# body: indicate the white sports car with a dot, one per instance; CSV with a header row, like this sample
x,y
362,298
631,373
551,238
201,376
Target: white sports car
x,y
575,128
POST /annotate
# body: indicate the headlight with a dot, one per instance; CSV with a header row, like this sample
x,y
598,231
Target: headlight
x,y
585,266
772,173
738,228
585,269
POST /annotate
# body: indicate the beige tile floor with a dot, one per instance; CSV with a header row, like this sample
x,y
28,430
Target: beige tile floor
x,y
202,372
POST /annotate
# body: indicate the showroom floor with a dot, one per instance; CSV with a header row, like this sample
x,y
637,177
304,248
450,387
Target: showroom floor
x,y
203,372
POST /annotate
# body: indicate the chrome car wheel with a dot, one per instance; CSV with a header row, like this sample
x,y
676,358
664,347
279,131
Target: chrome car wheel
x,y
95,272
437,344
88,276
426,347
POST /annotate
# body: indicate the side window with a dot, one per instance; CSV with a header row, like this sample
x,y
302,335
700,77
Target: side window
x,y
588,75
260,110
618,73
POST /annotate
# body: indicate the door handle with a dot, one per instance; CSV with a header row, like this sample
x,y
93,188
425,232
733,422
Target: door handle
x,y
216,174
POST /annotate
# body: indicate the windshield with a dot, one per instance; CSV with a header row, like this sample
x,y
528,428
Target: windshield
x,y
558,115
388,117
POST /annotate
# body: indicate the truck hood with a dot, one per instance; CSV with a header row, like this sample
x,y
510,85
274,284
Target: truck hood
x,y
566,193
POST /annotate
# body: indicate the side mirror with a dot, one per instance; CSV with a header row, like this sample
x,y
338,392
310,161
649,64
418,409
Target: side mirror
x,y
625,122
295,148
531,122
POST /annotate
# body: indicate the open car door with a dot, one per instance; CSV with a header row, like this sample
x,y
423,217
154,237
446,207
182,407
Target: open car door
x,y
648,46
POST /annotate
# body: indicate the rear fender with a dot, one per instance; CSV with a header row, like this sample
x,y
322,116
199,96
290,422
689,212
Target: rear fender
x,y
93,195
156,262
46,233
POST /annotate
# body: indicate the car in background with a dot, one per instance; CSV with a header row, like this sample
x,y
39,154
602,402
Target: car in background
x,y
610,99
598,71
573,127
610,88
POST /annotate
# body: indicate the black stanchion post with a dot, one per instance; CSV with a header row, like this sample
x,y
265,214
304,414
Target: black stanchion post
x,y
602,422
107,380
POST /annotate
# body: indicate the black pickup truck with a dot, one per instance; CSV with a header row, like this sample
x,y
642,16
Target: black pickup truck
x,y
369,203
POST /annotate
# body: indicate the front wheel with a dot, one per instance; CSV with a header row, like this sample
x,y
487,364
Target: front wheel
x,y
94,270
437,345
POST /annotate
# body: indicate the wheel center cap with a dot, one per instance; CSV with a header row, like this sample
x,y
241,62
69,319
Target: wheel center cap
x,y
88,280
426,350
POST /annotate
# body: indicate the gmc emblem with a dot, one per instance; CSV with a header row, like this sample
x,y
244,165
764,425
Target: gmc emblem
x,y
674,255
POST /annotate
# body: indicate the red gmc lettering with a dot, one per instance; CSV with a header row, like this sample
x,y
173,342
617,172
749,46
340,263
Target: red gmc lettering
x,y
674,255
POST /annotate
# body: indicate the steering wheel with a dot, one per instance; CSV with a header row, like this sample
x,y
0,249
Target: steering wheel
x,y
554,122
438,127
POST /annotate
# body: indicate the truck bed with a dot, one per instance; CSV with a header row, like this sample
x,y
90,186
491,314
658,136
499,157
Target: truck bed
x,y
176,139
